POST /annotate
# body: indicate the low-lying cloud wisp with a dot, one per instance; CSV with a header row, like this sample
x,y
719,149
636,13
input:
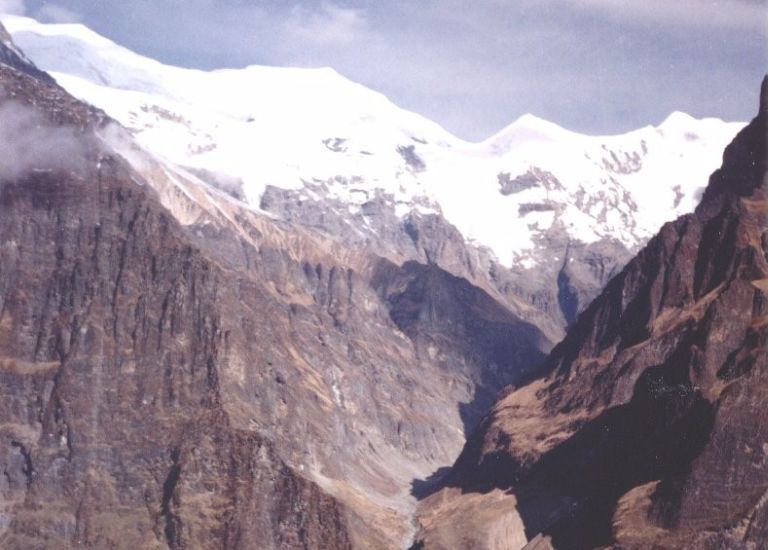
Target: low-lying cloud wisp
x,y
28,142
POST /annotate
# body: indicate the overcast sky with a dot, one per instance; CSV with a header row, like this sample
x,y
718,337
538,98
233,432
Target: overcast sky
x,y
473,66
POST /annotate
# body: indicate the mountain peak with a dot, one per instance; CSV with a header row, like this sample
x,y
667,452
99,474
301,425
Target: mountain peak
x,y
18,23
526,129
291,117
640,428
10,55
744,160
677,119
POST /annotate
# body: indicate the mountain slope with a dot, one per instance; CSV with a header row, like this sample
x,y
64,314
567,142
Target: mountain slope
x,y
556,206
162,343
114,432
304,295
647,428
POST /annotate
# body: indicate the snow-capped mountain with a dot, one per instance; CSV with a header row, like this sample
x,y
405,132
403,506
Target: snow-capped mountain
x,y
325,137
276,309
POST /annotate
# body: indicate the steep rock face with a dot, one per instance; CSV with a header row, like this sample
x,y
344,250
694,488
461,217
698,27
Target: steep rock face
x,y
647,429
462,327
368,405
113,432
548,295
427,238
177,365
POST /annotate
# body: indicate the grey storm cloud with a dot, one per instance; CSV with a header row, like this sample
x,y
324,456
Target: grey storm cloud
x,y
596,66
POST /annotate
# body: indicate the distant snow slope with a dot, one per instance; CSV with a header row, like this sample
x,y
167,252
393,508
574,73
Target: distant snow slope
x,y
300,128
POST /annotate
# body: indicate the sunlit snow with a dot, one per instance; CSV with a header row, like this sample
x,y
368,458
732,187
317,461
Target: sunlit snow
x,y
288,126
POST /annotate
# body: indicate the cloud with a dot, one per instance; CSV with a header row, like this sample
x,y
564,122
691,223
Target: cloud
x,y
690,13
326,25
53,13
27,143
599,66
12,7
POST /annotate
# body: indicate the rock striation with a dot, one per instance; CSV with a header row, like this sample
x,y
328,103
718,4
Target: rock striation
x,y
180,368
113,431
646,427
181,371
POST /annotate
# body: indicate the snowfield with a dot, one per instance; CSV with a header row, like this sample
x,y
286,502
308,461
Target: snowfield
x,y
313,129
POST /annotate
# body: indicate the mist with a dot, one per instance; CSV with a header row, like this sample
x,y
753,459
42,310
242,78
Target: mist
x,y
28,142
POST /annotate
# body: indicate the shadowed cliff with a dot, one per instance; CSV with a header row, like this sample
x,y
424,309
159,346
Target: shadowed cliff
x,y
646,428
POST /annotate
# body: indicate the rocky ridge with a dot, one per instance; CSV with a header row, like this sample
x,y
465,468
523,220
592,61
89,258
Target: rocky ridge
x,y
114,431
177,364
308,358
646,428
561,212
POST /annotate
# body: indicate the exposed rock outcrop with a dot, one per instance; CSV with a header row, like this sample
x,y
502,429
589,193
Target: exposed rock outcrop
x,y
344,162
647,428
179,370
112,427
